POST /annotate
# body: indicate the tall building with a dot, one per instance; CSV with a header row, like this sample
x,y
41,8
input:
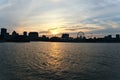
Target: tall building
x,y
117,36
3,32
25,33
65,35
33,35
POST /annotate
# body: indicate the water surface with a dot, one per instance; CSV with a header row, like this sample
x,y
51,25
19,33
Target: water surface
x,y
59,61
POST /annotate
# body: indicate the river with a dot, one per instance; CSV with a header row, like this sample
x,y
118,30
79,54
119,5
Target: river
x,y
59,61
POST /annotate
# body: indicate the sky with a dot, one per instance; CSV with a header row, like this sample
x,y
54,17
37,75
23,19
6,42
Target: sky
x,y
61,16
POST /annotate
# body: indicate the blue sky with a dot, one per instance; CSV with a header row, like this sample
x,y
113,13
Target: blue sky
x,y
64,16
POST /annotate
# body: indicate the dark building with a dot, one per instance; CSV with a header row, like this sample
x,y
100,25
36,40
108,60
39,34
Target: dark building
x,y
108,37
25,33
65,35
14,34
7,36
3,32
117,36
33,35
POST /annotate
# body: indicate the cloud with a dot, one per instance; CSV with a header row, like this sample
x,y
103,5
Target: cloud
x,y
75,15
44,32
82,27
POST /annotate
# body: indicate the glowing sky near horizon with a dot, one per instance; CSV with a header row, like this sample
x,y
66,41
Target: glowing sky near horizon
x,y
65,16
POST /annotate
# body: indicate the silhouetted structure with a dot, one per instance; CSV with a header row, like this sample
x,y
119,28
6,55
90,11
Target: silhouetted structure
x,y
25,34
34,36
3,32
80,35
65,35
14,34
117,36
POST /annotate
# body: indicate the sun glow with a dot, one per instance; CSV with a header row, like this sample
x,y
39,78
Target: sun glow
x,y
54,32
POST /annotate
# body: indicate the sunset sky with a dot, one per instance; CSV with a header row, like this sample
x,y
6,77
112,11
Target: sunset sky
x,y
61,16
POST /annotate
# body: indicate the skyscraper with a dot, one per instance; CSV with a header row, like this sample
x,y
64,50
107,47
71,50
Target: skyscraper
x,y
3,32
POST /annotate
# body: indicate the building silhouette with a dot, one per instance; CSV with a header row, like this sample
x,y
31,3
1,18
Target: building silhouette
x,y
14,34
117,36
25,34
3,32
65,35
34,36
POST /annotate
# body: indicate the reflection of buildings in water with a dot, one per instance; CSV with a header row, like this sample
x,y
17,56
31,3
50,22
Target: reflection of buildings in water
x,y
55,57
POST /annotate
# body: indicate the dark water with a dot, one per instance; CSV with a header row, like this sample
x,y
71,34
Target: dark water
x,y
59,61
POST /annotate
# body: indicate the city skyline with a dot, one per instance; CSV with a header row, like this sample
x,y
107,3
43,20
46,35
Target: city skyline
x,y
61,16
5,36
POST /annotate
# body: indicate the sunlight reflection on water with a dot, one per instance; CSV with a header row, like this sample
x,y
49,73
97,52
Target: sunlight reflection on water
x,y
59,61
